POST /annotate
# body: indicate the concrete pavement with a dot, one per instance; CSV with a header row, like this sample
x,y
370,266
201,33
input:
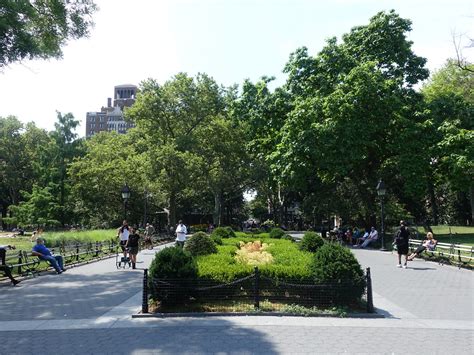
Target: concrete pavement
x,y
88,309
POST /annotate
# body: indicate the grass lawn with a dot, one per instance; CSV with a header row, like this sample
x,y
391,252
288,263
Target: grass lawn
x,y
55,238
451,234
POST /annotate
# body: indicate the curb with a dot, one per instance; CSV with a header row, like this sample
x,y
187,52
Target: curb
x,y
247,314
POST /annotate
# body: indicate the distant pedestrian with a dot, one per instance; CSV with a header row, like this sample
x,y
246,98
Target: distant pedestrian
x,y
132,246
402,240
373,236
149,231
181,232
123,234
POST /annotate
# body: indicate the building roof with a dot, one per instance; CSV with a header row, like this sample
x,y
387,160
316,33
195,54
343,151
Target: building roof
x,y
125,86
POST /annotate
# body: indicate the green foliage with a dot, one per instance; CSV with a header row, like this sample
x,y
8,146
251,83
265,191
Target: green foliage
x,y
335,264
200,244
277,233
39,29
173,263
216,239
288,237
223,232
177,266
311,242
288,262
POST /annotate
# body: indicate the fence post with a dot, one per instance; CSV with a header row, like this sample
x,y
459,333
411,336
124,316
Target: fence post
x,y
370,302
97,249
257,288
145,292
77,252
20,259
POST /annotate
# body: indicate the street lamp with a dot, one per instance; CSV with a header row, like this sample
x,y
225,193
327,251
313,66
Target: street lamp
x,y
381,192
125,197
147,195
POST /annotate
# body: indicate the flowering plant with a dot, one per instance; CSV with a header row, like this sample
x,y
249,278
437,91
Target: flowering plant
x,y
253,253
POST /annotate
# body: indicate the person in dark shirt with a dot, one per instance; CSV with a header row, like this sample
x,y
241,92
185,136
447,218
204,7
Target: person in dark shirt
x,y
132,245
402,240
5,269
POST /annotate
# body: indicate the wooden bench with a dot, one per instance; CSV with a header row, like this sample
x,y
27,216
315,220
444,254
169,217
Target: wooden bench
x,y
446,253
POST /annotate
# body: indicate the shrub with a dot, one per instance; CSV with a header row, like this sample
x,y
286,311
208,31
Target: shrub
x,y
179,267
311,242
337,266
277,233
200,244
224,232
288,237
216,239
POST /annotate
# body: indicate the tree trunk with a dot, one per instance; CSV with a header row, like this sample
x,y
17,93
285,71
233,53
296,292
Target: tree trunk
x,y
433,203
471,193
172,214
217,215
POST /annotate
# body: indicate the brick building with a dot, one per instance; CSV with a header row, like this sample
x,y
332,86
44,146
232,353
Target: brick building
x,y
110,118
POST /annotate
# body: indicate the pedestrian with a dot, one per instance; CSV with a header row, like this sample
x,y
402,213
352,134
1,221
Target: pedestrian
x,y
402,240
6,269
181,232
123,233
149,231
132,246
43,253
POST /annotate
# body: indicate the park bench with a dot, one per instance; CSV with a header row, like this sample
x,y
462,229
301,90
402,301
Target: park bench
x,y
22,261
446,253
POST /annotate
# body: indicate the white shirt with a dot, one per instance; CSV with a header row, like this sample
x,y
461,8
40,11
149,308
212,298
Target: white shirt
x,y
181,233
373,234
124,234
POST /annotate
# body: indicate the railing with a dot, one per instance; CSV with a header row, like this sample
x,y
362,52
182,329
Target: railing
x,y
255,292
447,253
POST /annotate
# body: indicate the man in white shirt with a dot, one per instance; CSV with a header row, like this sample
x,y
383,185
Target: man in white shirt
x,y
373,236
181,232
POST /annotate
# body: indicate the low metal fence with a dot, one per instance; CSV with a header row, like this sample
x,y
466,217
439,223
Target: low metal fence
x,y
255,292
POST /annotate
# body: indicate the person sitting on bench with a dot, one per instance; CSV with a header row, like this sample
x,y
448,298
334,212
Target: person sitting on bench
x,y
44,253
429,243
8,272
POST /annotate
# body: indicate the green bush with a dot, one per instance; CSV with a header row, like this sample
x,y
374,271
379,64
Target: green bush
x,y
216,239
200,244
223,232
288,237
336,266
311,242
177,266
277,233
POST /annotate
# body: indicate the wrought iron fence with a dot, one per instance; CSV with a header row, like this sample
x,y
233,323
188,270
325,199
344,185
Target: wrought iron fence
x,y
255,292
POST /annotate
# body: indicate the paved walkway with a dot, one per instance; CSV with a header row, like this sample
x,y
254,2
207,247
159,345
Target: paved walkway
x,y
428,308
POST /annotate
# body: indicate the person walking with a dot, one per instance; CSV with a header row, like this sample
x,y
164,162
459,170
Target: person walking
x,y
149,231
402,240
181,232
123,233
6,269
132,246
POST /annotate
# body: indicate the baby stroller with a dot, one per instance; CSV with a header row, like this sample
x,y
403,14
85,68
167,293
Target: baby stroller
x,y
121,261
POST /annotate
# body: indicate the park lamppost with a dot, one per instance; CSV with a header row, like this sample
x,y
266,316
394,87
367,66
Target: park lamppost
x,y
381,192
125,197
147,195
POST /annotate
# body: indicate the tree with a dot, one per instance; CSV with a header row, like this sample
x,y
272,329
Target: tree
x,y
356,116
39,209
171,115
38,29
449,98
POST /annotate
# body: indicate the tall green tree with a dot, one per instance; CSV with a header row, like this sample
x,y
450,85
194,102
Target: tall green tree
x,y
171,115
39,28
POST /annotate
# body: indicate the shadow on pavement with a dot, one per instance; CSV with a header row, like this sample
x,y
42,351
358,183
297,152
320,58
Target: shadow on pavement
x,y
68,296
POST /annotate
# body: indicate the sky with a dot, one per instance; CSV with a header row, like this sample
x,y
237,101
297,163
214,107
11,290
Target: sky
x,y
230,40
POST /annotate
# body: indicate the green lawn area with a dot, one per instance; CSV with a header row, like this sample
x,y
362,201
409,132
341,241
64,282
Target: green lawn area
x,y
451,234
55,238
